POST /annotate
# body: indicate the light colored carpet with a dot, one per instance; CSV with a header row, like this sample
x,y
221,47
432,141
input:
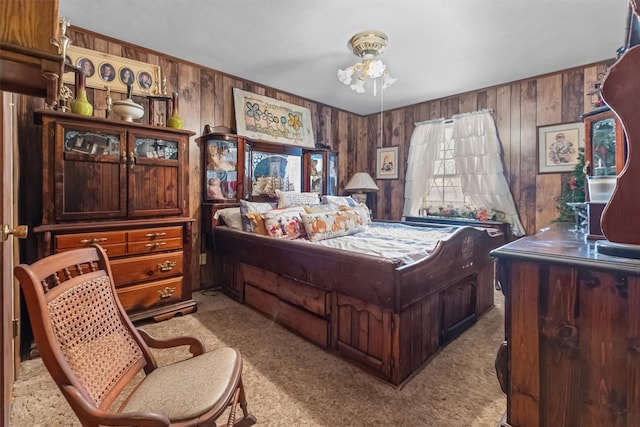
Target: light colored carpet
x,y
291,382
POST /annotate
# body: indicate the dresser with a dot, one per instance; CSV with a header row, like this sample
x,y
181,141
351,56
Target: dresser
x,y
572,321
123,185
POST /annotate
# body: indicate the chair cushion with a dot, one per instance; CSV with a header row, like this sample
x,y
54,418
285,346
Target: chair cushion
x,y
188,388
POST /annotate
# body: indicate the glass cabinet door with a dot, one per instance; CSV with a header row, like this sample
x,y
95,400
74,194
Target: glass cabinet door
x,y
93,180
316,172
332,172
321,172
221,169
155,179
604,145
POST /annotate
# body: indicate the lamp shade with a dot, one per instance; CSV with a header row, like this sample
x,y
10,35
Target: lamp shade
x,y
361,182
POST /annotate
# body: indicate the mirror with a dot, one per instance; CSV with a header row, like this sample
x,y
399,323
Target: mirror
x,y
271,172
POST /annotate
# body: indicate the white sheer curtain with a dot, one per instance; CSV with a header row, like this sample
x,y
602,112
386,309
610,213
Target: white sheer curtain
x,y
477,153
424,146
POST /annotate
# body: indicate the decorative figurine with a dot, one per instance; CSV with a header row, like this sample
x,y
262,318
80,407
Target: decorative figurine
x,y
65,98
109,101
62,44
160,115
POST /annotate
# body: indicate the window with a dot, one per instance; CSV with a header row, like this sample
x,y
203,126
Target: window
x,y
445,186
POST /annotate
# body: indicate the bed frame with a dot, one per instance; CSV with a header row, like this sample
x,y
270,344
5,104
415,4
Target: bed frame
x,y
389,319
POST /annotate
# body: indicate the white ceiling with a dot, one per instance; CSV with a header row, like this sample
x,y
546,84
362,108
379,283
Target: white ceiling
x,y
436,48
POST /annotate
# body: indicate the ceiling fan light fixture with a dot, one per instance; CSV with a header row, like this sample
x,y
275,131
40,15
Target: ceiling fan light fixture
x,y
367,45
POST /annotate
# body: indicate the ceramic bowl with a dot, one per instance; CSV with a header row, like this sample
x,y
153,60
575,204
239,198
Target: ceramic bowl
x,y
128,110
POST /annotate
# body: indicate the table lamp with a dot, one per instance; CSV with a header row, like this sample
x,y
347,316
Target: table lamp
x,y
360,184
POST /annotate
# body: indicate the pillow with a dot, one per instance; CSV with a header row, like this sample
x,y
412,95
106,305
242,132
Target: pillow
x,y
257,223
284,223
362,210
230,216
326,225
288,199
246,207
319,209
337,201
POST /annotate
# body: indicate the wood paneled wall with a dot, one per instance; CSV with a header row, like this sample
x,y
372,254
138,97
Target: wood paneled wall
x,y
519,107
206,97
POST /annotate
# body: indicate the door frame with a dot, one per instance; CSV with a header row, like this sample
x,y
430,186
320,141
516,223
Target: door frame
x,y
8,304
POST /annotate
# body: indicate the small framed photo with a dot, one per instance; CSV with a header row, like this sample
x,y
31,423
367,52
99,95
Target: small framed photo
x,y
558,147
387,163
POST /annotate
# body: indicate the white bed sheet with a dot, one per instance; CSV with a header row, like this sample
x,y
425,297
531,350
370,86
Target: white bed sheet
x,y
405,243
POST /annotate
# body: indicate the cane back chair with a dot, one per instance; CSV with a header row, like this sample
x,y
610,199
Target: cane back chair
x,y
94,353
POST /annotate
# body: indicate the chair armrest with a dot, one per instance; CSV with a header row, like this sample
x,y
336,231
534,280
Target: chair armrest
x,y
196,347
87,411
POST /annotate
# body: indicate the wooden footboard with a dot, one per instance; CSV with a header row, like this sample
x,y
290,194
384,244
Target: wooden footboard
x,y
386,318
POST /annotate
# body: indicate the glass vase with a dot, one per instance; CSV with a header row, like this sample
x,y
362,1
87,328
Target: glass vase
x,y
175,121
81,104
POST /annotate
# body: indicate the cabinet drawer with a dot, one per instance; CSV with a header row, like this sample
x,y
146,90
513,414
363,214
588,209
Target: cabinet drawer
x,y
79,240
154,234
148,295
303,295
151,267
112,250
304,323
260,278
154,246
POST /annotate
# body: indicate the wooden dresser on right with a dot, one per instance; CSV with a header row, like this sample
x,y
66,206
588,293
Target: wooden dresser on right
x,y
572,324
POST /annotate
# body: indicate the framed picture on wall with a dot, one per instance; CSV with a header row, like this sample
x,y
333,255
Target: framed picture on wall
x,y
268,119
558,147
102,69
387,163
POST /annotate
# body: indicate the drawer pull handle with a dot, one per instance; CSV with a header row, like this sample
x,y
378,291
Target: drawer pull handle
x,y
154,245
94,240
167,265
166,292
154,235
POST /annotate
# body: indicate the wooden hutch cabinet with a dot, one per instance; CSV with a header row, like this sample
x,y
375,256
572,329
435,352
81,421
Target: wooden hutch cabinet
x,y
125,186
572,323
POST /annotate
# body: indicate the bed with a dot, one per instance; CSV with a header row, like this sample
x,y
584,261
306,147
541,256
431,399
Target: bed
x,y
389,316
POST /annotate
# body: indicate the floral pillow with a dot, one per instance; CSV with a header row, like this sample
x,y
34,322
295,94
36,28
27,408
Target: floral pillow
x,y
284,223
326,225
362,210
288,199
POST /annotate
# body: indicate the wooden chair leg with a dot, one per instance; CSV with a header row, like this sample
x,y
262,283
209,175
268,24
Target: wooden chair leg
x,y
247,419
